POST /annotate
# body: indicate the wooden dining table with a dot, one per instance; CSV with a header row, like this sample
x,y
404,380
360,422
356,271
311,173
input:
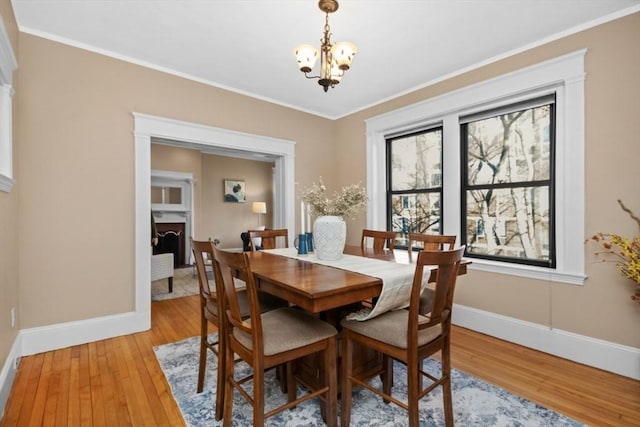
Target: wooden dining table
x,y
330,292
319,288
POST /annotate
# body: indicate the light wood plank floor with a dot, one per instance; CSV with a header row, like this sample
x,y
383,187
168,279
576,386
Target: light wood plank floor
x,y
119,382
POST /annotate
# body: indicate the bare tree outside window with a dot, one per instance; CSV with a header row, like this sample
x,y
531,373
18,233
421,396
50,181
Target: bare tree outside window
x,y
415,184
507,185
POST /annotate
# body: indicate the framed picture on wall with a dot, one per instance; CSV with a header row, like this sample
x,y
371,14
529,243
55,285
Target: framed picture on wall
x,y
234,191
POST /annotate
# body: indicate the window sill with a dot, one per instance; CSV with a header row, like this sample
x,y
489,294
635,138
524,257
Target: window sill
x,y
6,183
530,272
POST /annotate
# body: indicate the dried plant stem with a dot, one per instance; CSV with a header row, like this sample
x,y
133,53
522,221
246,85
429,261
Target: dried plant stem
x,y
627,210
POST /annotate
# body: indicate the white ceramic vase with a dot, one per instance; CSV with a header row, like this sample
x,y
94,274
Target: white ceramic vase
x,y
329,237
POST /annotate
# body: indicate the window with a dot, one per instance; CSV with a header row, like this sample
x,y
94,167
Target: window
x,y
563,188
507,183
414,192
7,65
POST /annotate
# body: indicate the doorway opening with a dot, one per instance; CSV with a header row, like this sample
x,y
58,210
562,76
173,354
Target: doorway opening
x,y
148,129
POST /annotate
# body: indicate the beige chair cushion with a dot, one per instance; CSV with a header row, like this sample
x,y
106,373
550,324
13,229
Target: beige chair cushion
x,y
427,297
287,328
391,328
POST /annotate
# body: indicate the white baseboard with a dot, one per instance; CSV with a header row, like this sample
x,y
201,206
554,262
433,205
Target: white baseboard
x,y
52,337
8,373
612,357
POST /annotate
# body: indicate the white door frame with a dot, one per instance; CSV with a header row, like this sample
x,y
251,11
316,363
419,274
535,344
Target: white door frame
x,y
194,135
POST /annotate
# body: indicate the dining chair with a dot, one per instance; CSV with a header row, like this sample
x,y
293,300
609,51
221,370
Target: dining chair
x,y
409,337
209,313
210,307
270,238
270,339
429,242
381,239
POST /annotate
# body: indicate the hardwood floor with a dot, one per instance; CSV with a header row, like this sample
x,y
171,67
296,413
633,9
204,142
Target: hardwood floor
x,y
119,382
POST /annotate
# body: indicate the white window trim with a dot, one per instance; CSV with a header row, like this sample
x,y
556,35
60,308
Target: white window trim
x,y
563,75
8,63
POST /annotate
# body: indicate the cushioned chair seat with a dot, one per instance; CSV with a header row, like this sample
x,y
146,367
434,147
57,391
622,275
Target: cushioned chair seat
x,y
282,332
391,328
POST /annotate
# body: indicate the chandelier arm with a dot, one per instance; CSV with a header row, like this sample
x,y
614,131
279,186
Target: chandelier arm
x,y
311,77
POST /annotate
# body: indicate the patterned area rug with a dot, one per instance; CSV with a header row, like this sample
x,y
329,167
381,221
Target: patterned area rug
x,y
185,283
475,402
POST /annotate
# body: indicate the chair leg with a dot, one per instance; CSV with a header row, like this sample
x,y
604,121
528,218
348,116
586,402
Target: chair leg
x,y
258,395
289,380
170,284
413,372
281,376
203,353
347,348
446,386
448,403
228,389
331,379
222,366
387,376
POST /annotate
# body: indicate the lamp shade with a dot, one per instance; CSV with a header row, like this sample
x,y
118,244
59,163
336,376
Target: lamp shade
x,y
343,53
259,207
306,56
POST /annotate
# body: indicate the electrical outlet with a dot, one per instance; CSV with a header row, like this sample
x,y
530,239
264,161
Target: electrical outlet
x,y
13,317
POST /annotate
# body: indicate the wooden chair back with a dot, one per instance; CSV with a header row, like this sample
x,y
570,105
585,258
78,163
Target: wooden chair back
x,y
381,239
203,254
270,238
431,242
230,266
448,264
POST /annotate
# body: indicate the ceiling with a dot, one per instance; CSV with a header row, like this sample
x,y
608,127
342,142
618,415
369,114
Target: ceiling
x,y
246,46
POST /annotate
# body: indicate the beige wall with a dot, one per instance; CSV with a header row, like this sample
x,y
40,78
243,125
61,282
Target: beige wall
x,y
9,236
602,307
77,137
213,217
226,220
74,135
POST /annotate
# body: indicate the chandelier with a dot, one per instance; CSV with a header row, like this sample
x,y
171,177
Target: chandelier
x,y
335,59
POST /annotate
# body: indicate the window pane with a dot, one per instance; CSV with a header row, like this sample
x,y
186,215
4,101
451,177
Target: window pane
x,y
415,213
513,147
415,161
166,195
510,222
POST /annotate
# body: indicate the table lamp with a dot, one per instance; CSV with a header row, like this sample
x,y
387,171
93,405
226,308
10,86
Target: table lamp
x,y
259,208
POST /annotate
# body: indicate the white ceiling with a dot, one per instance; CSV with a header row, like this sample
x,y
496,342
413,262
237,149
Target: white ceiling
x,y
247,45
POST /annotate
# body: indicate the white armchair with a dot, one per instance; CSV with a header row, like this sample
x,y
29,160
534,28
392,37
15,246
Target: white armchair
x,y
162,268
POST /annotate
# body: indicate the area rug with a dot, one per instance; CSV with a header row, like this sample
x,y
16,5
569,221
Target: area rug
x,y
475,402
185,283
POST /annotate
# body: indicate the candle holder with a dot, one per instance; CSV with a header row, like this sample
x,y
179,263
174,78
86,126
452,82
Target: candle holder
x,y
300,244
309,241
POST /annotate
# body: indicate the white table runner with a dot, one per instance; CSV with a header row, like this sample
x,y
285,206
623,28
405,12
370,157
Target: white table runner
x,y
396,279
